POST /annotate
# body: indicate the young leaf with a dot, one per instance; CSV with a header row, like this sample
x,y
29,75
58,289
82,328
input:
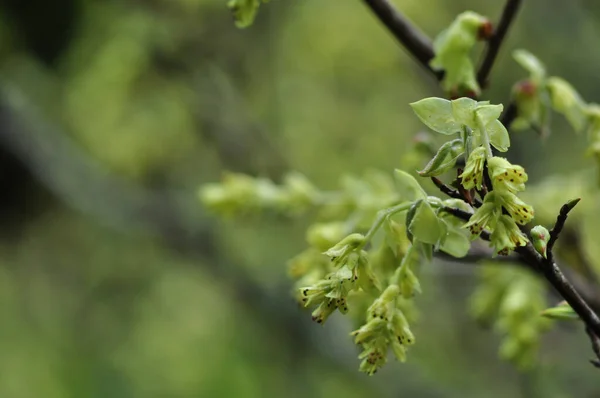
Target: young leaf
x,y
566,100
498,134
530,63
426,227
444,159
489,113
436,113
407,185
563,311
463,111
455,243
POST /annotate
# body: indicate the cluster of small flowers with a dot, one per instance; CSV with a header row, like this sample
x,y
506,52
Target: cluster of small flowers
x,y
386,328
502,209
330,294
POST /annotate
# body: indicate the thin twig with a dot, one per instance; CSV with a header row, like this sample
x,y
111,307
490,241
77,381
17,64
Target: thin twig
x,y
559,225
551,272
509,115
595,346
415,41
495,42
451,192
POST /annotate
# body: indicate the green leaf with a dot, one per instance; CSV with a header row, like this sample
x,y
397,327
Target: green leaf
x,y
436,113
425,249
563,311
489,113
444,159
498,134
566,100
244,11
463,111
456,243
530,63
407,186
425,226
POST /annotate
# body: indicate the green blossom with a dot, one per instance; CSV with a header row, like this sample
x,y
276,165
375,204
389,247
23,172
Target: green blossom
x,y
472,175
343,248
386,327
506,235
486,215
506,176
520,211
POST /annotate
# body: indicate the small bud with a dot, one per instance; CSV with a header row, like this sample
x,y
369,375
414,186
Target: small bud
x,y
540,237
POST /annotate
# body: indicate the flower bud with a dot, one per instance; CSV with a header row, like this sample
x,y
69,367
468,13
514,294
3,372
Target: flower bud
x,y
540,237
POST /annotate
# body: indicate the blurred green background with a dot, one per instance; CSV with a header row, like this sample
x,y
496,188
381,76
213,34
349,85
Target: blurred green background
x,y
113,280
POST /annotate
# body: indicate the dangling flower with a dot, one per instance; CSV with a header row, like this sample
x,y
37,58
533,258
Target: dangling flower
x,y
506,176
484,216
520,211
506,235
472,175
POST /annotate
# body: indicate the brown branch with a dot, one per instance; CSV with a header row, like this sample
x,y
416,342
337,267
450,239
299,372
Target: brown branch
x,y
453,193
595,346
508,15
509,115
559,225
415,41
550,270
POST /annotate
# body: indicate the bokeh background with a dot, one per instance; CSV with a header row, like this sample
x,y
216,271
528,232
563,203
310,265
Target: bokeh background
x,y
114,282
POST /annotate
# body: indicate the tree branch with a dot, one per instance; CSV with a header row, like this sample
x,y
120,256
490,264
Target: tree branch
x,y
559,225
550,270
508,15
595,347
509,115
415,41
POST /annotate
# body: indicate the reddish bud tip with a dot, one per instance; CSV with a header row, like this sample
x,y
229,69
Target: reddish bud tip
x,y
485,31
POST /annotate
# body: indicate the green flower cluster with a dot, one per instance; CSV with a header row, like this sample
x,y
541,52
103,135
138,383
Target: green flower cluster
x,y
540,94
386,327
452,49
502,210
514,299
239,193
478,129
